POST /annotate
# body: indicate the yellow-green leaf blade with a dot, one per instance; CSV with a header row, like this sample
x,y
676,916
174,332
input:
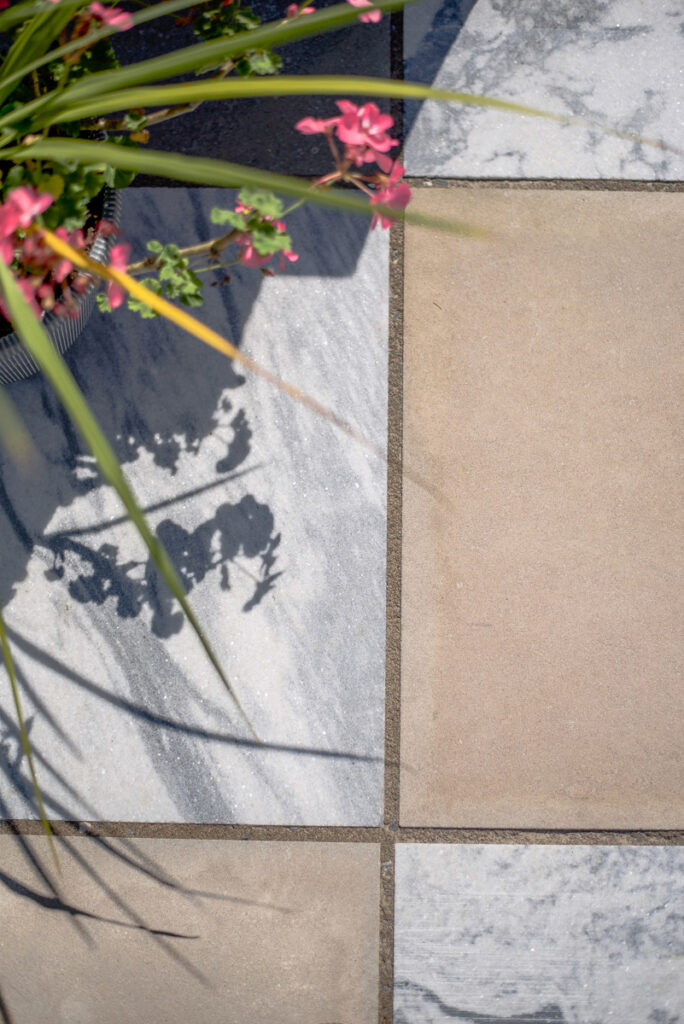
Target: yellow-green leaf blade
x,y
311,85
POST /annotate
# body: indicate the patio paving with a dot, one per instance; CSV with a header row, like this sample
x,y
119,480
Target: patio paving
x,y
179,930
546,934
281,546
616,64
541,654
466,673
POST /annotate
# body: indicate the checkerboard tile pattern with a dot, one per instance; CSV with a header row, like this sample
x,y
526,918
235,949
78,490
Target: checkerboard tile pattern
x,y
464,661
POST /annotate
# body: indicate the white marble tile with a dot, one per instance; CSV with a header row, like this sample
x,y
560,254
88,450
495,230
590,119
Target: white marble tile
x,y
615,63
543,934
275,519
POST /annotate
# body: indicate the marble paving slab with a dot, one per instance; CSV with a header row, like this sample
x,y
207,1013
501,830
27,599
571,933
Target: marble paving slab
x,y
617,63
539,935
174,930
274,518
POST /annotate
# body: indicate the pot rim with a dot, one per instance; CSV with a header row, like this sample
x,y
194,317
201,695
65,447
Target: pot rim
x,y
99,252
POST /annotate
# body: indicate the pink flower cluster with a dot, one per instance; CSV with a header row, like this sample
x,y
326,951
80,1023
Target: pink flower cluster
x,y
294,10
249,257
369,15
40,268
113,16
363,130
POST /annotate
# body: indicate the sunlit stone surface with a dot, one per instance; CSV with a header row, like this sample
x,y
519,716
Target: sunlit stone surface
x,y
617,64
274,518
543,934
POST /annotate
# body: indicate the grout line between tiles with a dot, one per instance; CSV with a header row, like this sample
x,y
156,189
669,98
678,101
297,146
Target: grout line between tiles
x,y
546,184
395,400
385,835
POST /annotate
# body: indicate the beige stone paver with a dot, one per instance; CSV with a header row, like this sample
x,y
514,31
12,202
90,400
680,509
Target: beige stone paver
x,y
287,932
541,608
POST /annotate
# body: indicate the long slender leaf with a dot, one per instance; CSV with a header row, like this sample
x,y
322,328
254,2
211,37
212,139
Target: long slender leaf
x,y
205,171
216,51
210,337
25,742
11,17
35,39
305,85
57,372
280,85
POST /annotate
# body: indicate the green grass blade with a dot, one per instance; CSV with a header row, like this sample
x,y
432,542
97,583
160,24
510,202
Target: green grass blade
x,y
25,742
305,85
35,39
11,18
281,85
55,369
216,51
205,171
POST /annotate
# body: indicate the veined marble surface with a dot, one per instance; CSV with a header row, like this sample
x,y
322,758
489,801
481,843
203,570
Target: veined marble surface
x,y
615,63
543,934
274,518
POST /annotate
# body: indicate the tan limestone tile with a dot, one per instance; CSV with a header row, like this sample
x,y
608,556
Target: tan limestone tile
x,y
541,609
282,933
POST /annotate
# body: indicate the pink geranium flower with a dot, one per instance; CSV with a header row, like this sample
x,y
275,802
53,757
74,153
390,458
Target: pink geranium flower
x,y
364,133
6,251
293,11
113,16
21,207
287,254
394,194
118,260
370,15
315,125
249,257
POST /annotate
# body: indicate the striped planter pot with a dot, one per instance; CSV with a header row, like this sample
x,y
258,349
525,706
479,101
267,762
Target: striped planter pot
x,y
15,361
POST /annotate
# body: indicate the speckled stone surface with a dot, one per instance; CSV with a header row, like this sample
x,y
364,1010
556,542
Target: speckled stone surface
x,y
614,63
547,934
168,931
542,651
274,518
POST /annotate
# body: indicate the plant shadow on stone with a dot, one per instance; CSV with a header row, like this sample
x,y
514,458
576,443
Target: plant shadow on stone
x,y
158,394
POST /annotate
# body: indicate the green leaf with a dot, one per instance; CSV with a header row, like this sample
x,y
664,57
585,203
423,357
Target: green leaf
x,y
55,369
265,202
267,239
25,742
238,220
135,121
205,171
258,62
